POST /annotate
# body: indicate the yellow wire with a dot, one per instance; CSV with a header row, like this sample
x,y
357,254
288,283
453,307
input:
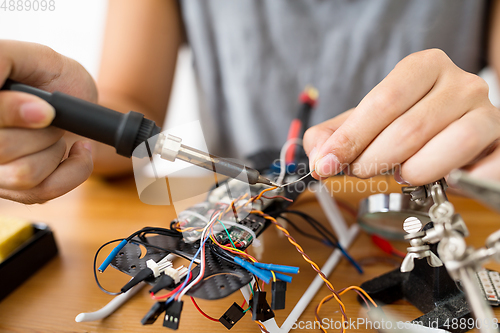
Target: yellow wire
x,y
360,290
262,326
312,263
326,298
274,276
262,193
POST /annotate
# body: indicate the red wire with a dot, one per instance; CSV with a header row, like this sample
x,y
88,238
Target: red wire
x,y
167,295
387,247
243,304
202,271
172,292
201,311
398,253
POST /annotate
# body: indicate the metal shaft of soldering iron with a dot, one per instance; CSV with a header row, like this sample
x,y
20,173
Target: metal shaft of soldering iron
x,y
221,166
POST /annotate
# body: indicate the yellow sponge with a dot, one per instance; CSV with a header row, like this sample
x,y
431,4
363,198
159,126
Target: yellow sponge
x,y
13,233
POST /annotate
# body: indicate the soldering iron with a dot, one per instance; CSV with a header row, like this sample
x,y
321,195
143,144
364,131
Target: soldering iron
x,y
127,131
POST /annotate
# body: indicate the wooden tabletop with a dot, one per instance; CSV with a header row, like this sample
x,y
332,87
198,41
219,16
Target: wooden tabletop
x,y
99,211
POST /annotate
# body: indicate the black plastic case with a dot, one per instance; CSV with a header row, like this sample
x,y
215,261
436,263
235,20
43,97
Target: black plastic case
x,y
27,259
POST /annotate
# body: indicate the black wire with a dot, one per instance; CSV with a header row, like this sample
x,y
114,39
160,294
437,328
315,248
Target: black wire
x,y
316,225
303,232
334,241
95,271
257,283
132,242
162,249
157,230
221,253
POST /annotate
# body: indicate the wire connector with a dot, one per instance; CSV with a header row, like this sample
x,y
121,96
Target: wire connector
x,y
260,308
165,281
278,292
171,277
176,273
142,275
262,274
232,316
173,314
112,255
159,267
156,310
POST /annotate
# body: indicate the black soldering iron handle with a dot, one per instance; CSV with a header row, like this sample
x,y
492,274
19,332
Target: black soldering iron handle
x,y
122,131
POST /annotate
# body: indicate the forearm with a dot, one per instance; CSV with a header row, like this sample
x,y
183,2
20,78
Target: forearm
x,y
137,67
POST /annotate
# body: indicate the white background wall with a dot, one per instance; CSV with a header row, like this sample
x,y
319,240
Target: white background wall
x,y
75,29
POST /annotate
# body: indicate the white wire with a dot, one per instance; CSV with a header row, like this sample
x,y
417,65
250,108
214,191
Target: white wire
x,y
284,149
202,264
111,307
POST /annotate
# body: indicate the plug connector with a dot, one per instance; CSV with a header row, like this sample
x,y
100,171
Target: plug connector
x,y
176,273
260,308
232,316
173,314
278,292
165,281
158,268
153,313
142,275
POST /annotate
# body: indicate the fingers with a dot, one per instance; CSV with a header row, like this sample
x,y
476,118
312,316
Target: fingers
x,y
17,142
67,175
24,110
407,84
454,147
40,66
414,128
488,166
29,171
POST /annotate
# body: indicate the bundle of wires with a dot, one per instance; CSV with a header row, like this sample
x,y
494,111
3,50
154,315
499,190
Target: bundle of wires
x,y
124,241
230,253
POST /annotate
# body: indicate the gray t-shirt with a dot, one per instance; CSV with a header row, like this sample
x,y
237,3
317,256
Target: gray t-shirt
x,y
252,58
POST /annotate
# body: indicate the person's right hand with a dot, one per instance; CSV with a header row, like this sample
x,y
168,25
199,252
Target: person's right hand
x,y
34,166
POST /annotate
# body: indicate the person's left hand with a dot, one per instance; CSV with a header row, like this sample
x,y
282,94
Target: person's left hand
x,y
427,116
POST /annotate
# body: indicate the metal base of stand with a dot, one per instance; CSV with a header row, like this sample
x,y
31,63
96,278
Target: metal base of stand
x,y
429,289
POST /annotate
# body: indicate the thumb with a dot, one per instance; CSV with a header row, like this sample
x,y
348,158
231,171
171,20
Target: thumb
x,y
19,109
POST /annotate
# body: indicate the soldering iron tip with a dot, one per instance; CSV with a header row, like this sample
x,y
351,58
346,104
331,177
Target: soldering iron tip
x,y
266,181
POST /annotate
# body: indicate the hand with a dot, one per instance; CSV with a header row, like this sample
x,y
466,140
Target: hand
x,y
33,167
426,118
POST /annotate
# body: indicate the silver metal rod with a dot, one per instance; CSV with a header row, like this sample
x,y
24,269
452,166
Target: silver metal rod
x,y
481,310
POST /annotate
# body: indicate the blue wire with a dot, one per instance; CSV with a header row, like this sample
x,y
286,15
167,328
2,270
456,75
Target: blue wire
x,y
189,270
345,254
351,260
